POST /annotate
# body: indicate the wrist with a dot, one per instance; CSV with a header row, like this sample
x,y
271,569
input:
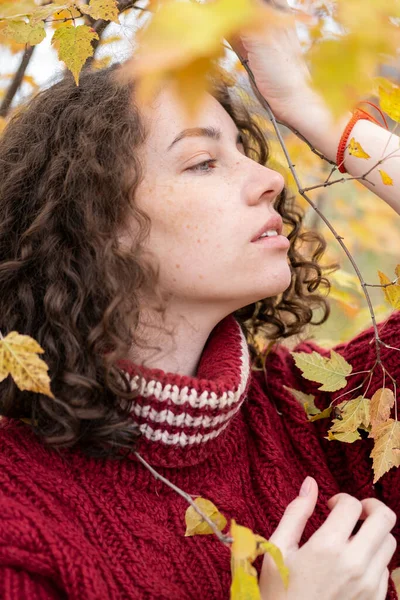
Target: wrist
x,y
309,116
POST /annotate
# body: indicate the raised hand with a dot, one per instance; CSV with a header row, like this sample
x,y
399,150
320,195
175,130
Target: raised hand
x,y
333,564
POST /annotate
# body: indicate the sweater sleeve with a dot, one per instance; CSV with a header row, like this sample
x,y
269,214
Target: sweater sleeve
x,y
17,583
351,462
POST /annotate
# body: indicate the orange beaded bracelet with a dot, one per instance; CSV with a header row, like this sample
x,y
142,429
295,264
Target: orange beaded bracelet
x,y
358,114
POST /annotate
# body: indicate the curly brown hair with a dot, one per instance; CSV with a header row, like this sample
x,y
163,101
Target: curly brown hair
x,y
69,168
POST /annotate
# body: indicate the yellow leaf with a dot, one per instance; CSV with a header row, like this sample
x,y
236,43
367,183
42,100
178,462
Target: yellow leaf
x,y
307,400
381,403
389,97
331,372
111,39
244,582
101,9
43,12
345,279
14,9
244,543
349,436
396,578
171,48
266,547
353,414
355,149
386,451
345,82
347,300
191,83
100,63
392,292
74,46
29,422
386,179
321,415
70,13
18,358
25,33
11,44
195,524
31,81
247,546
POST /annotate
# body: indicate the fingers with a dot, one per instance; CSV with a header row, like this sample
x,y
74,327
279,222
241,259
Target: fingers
x,y
383,586
288,534
379,520
371,504
385,554
339,524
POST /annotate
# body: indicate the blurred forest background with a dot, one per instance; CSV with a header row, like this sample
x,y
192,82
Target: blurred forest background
x,y
369,227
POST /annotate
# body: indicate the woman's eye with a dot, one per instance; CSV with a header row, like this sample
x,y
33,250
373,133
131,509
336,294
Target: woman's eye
x,y
207,163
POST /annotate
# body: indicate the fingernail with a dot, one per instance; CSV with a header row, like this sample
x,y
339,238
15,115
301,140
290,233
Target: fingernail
x,y
305,487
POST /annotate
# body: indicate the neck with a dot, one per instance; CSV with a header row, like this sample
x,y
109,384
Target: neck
x,y
173,341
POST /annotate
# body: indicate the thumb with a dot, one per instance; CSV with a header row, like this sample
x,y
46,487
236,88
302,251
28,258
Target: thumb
x,y
288,534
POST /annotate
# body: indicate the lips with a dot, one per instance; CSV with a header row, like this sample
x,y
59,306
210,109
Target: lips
x,y
274,223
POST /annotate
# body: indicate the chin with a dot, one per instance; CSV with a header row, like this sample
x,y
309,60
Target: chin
x,y
270,292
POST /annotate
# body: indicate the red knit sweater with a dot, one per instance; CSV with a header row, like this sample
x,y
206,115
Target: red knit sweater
x,y
75,527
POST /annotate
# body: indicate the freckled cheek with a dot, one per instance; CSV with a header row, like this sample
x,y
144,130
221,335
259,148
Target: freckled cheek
x,y
183,226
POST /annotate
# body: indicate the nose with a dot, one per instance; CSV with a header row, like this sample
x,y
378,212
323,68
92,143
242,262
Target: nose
x,y
267,184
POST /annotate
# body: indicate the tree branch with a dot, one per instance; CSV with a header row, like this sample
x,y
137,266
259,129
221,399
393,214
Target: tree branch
x,y
222,538
17,80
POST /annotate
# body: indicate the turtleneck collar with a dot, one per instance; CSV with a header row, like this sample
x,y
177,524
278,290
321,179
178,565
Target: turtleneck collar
x,y
184,419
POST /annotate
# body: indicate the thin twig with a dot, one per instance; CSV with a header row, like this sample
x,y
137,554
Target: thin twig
x,y
315,221
303,139
223,538
383,285
341,180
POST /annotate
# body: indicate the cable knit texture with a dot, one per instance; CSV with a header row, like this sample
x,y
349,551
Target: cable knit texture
x,y
76,527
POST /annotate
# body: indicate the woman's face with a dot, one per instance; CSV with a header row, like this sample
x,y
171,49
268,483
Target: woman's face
x,y
204,216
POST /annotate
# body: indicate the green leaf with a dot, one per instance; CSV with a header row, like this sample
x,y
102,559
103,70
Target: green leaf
x,y
331,372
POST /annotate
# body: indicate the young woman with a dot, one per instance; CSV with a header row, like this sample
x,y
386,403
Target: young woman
x,y
130,250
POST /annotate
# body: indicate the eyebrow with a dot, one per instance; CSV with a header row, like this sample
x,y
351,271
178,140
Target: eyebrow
x,y
210,132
